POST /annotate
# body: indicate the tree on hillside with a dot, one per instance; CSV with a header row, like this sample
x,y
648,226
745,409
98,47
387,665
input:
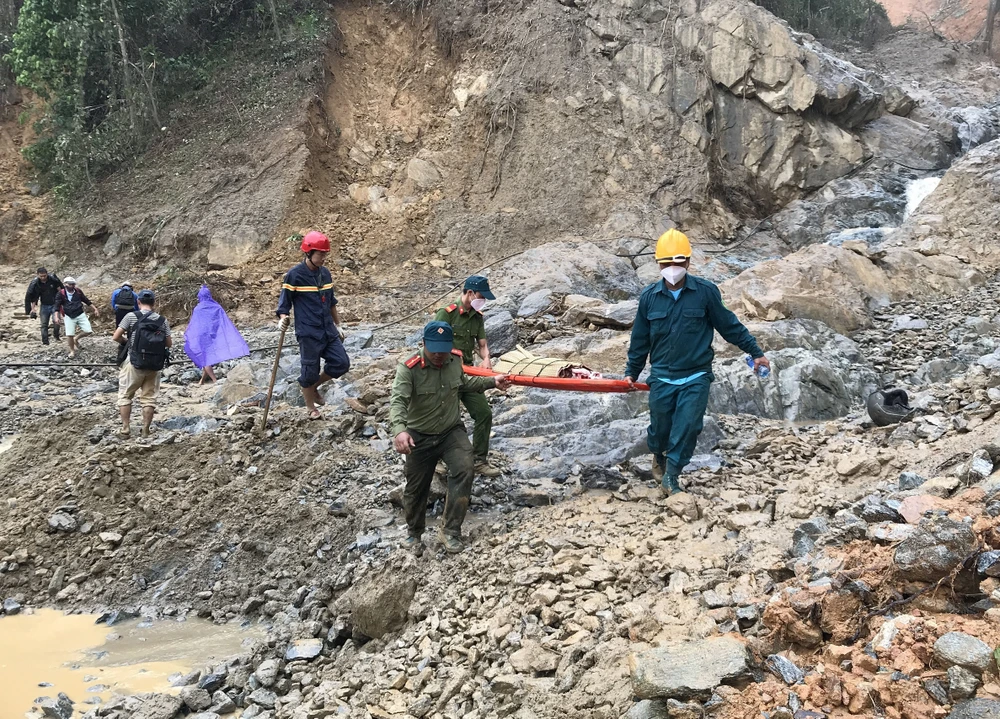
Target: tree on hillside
x,y
9,94
105,68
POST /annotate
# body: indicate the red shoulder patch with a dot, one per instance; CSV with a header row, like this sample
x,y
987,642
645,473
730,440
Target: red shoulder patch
x,y
451,308
456,352
413,361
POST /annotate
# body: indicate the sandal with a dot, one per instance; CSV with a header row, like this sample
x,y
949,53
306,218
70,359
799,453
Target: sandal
x,y
315,414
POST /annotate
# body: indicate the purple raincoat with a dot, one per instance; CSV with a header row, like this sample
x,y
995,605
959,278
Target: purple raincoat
x,y
211,337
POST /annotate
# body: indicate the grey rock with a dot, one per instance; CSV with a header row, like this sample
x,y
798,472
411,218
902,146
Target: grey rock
x,y
958,649
536,303
11,607
784,669
59,708
988,563
595,477
267,672
904,322
565,268
206,715
910,480
63,522
938,370
962,684
222,703
357,339
935,548
195,698
304,649
212,682
379,603
690,670
976,709
263,697
805,535
980,466
815,374
648,709
907,141
502,333
936,690
873,509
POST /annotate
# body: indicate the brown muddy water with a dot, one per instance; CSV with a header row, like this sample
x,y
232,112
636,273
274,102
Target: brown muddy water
x,y
91,662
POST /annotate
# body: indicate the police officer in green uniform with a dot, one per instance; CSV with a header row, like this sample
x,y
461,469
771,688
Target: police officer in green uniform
x,y
466,319
427,426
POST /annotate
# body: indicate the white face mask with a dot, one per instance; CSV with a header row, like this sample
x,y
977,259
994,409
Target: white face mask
x,y
478,305
673,274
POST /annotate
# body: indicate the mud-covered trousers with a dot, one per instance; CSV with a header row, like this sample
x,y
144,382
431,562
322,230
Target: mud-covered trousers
x,y
676,418
482,418
313,351
45,313
453,446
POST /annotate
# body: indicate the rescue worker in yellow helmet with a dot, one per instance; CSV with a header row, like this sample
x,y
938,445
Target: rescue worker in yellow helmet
x,y
674,327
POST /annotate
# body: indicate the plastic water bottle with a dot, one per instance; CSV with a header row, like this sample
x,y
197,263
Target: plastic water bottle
x,y
762,371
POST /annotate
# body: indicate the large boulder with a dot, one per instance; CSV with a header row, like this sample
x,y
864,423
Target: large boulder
x,y
579,268
379,603
937,547
816,374
831,284
690,670
907,141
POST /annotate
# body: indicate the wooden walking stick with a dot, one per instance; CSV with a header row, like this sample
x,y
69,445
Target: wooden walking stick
x,y
274,376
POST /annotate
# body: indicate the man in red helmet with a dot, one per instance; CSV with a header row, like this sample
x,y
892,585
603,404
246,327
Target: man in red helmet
x,y
308,287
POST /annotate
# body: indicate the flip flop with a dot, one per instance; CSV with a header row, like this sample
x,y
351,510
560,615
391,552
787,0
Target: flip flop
x,y
315,414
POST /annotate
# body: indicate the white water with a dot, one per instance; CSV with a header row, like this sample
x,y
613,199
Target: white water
x,y
917,191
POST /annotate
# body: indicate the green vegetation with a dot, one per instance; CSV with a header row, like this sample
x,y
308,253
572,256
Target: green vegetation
x,y
108,71
862,20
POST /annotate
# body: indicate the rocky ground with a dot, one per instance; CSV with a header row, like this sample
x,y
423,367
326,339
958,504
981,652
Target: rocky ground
x,y
826,567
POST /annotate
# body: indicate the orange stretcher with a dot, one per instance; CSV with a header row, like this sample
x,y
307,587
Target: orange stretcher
x,y
568,384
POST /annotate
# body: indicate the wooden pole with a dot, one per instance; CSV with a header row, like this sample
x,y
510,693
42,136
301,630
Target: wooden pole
x,y
270,387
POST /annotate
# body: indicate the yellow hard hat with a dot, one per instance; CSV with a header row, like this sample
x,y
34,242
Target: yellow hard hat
x,y
673,245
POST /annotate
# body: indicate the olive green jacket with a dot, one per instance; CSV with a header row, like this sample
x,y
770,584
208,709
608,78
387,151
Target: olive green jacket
x,y
425,398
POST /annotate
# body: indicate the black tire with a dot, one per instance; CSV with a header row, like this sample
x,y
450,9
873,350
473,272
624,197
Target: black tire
x,y
886,407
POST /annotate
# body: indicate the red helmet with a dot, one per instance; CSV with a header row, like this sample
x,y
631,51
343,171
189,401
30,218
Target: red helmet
x,y
315,241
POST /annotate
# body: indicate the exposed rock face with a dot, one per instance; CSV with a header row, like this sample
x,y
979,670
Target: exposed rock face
x,y
785,107
962,216
567,268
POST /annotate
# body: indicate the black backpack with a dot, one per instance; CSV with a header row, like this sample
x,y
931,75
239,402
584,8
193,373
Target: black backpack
x,y
149,343
125,299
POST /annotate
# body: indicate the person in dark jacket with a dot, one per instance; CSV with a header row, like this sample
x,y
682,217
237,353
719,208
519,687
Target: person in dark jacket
x,y
70,302
40,301
674,327
308,287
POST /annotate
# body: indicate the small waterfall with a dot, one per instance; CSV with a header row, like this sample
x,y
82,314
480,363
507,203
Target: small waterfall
x,y
917,191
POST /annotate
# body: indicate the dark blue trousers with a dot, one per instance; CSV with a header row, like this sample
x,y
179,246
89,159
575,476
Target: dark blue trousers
x,y
313,351
676,418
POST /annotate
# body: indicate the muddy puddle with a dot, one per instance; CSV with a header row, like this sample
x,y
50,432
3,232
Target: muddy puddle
x,y
45,653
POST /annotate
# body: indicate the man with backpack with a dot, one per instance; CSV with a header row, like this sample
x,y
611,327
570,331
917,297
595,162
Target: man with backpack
x,y
70,303
147,335
124,301
40,301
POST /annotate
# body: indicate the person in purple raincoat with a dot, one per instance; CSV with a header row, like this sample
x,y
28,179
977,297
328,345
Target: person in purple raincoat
x,y
211,337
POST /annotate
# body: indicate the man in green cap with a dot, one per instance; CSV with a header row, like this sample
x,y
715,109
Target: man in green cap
x,y
426,426
466,320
